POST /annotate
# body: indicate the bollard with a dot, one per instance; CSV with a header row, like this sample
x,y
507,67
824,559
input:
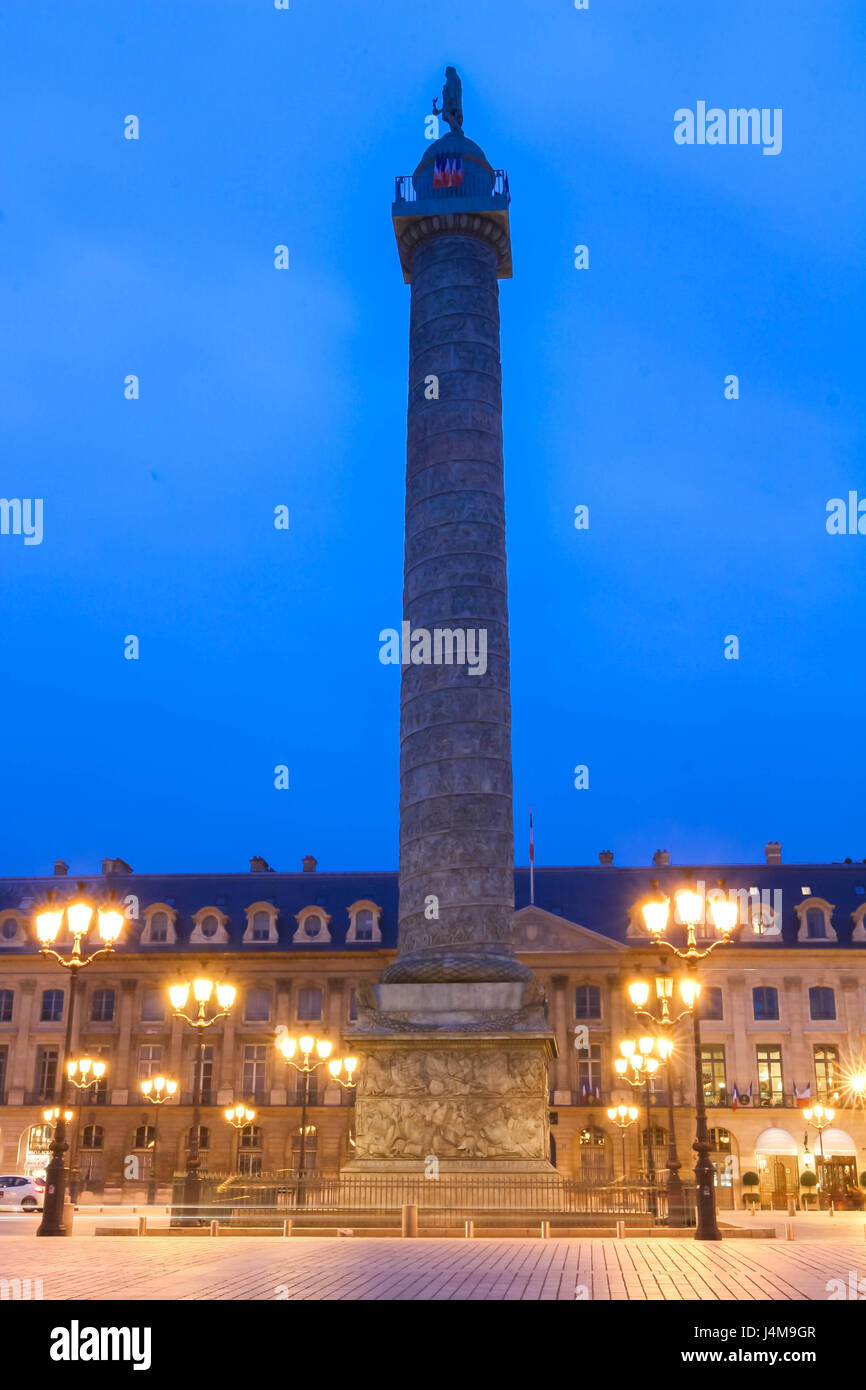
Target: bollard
x,y
620,1230
142,1225
214,1228
789,1230
469,1229
545,1230
792,1206
832,1209
287,1228
409,1219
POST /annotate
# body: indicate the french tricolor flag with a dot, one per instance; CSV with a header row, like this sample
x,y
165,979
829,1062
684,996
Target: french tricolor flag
x,y
735,1097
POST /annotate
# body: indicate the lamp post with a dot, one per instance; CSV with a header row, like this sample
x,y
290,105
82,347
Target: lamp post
x,y
156,1089
79,915
639,995
644,1067
239,1116
819,1117
623,1116
308,1045
55,1174
723,915
202,990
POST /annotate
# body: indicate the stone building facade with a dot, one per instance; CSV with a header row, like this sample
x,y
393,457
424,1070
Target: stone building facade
x,y
783,1017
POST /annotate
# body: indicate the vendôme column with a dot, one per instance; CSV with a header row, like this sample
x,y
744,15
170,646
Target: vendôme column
x,y
456,839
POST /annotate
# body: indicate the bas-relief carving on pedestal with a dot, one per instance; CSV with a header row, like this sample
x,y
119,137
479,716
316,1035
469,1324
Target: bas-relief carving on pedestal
x,y
486,1104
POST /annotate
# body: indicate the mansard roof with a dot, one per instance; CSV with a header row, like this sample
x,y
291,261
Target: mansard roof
x,y
600,899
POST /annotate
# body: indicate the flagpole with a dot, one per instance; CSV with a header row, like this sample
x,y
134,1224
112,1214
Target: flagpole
x,y
531,862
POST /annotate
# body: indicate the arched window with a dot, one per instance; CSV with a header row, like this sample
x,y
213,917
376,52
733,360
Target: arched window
x,y
9,928
659,1138
203,1136
310,1149
251,1137
159,927
93,1137
250,1151
261,926
816,924
364,925
144,1137
313,925
592,1155
822,1003
720,1140
209,926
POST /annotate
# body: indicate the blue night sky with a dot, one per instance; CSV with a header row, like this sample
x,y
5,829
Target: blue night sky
x,y
260,647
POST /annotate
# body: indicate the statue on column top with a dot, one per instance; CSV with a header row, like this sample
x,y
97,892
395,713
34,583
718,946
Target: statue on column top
x,y
452,102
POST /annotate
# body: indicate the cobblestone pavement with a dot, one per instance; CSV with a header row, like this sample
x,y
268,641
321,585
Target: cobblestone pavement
x,y
242,1267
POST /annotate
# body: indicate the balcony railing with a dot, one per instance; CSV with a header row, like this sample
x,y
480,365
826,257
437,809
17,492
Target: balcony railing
x,y
405,191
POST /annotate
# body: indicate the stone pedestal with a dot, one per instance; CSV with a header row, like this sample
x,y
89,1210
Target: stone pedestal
x,y
452,1080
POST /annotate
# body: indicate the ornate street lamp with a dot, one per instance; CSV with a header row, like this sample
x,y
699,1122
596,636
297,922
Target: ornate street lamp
x,y
723,915
79,917
55,1174
623,1116
639,995
644,1066
306,1046
204,1017
819,1117
157,1090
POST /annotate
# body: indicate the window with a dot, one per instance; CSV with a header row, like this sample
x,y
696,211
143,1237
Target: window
x,y
4,1059
52,1006
102,1006
209,926
714,1074
202,1072
255,1058
816,924
261,927
364,925
592,1155
159,927
826,1071
822,1003
152,1006
98,1093
310,1146
587,1001
312,925
312,1078
765,1003
257,1006
92,1137
46,1072
250,1151
309,1005
770,1090
589,1072
353,1005
144,1137
149,1060
203,1136
6,998
8,928
711,1005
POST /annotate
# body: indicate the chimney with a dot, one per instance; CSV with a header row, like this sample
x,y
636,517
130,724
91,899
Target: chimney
x,y
115,866
773,852
662,858
606,856
258,865
61,868
309,862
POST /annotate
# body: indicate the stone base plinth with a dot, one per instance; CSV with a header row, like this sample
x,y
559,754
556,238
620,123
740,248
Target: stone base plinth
x,y
452,1080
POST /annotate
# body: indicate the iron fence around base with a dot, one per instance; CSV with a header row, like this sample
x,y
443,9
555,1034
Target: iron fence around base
x,y
376,1200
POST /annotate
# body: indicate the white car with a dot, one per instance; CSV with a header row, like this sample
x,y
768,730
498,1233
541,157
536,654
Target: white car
x,y
25,1193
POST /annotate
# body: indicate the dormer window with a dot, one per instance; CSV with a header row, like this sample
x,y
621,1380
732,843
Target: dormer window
x,y
364,917
815,916
313,926
261,923
11,930
159,928
210,927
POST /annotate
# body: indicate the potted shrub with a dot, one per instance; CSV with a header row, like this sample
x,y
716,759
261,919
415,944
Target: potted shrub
x,y
750,1198
809,1179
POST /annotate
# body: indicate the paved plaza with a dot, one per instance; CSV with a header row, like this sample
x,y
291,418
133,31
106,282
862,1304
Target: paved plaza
x,y
351,1268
